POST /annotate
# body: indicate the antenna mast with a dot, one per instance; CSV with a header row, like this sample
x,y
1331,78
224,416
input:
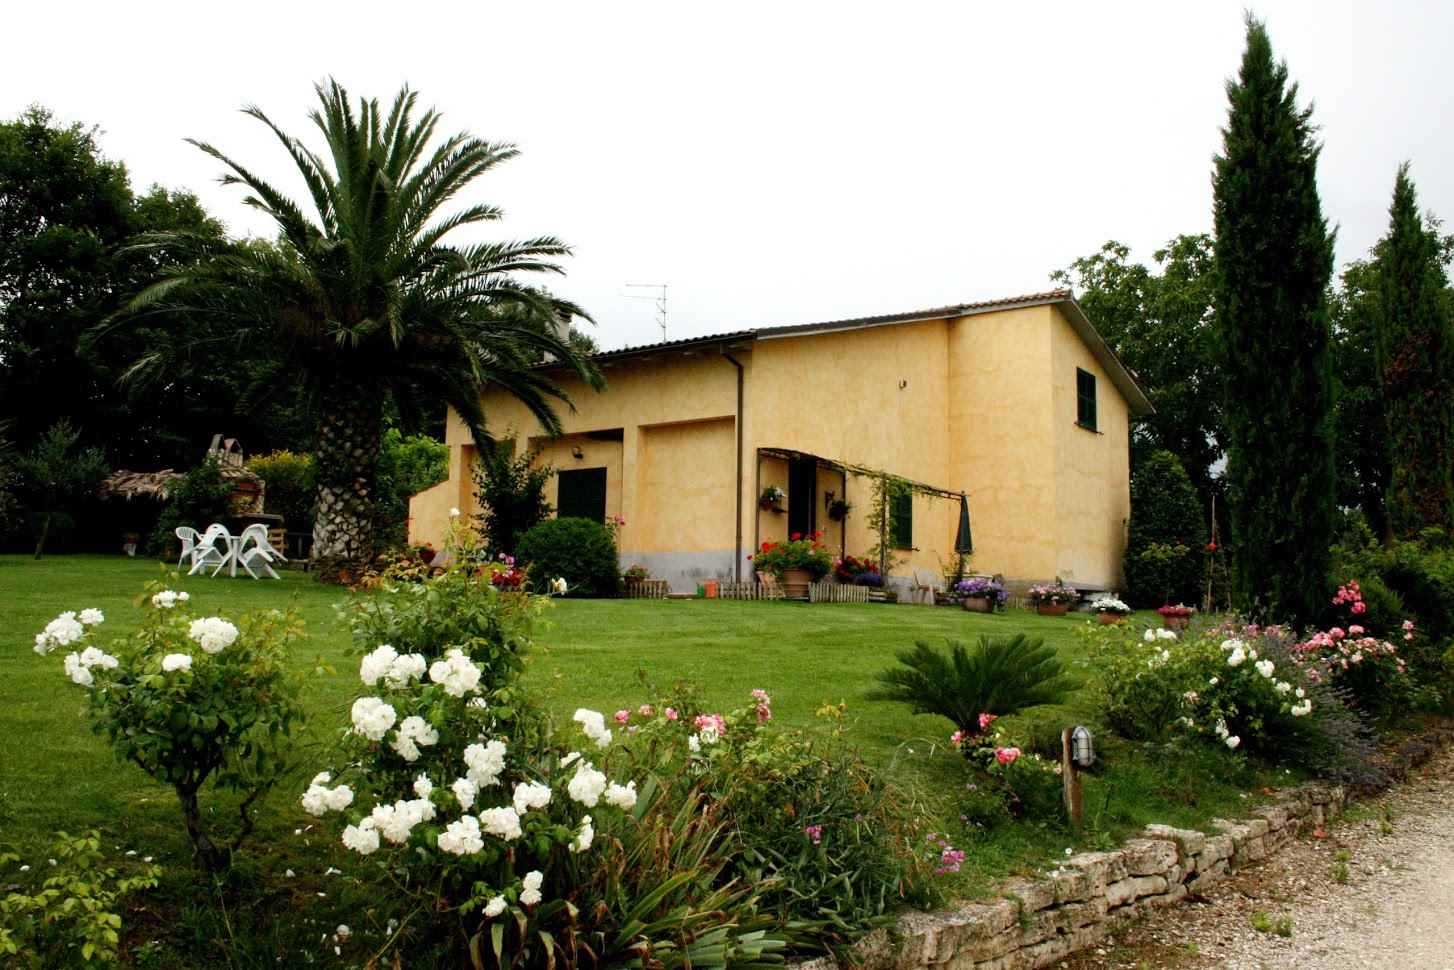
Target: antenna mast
x,y
660,302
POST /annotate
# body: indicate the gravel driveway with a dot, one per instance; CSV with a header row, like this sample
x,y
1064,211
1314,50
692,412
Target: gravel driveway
x,y
1376,891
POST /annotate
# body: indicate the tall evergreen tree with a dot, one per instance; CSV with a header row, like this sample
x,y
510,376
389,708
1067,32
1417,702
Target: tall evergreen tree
x,y
1416,364
1274,260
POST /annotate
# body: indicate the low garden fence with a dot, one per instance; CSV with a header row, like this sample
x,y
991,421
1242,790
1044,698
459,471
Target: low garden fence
x,y
837,593
648,589
749,591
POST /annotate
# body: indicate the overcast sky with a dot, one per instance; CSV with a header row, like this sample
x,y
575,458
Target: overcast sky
x,y
776,163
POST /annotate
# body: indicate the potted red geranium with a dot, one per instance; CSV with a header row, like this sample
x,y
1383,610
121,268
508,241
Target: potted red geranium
x,y
796,563
1176,617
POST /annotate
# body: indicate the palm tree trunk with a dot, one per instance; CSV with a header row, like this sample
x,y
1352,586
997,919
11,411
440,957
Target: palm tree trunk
x,y
350,427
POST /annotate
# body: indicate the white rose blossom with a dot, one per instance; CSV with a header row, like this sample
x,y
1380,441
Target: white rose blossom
x,y
584,836
1302,708
1232,741
92,616
464,792
456,673
1264,667
423,787
495,907
462,837
587,785
319,799
362,838
372,717
414,732
486,762
213,633
176,661
530,795
63,631
593,725
530,893
502,823
397,821
622,796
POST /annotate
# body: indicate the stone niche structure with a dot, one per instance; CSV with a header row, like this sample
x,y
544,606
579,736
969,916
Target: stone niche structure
x,y
1037,922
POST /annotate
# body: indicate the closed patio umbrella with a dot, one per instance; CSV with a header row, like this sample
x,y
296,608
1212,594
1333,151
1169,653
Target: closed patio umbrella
x,y
963,541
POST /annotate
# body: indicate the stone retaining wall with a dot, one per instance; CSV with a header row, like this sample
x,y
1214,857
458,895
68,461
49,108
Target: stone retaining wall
x,y
1037,922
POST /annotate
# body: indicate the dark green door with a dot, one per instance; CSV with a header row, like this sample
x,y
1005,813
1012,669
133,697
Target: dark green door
x,y
582,494
802,496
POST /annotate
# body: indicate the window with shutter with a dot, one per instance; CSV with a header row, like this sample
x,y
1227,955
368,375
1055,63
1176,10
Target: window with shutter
x,y
1085,393
903,507
581,494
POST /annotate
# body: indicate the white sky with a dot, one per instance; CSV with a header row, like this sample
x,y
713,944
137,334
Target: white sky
x,y
775,163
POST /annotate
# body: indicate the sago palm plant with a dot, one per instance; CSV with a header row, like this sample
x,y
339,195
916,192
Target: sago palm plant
x,y
998,675
365,301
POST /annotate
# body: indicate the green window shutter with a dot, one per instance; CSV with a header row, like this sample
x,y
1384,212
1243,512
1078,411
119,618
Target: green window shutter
x,y
903,536
1085,394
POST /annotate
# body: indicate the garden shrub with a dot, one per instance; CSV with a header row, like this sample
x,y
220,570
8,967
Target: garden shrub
x,y
289,487
191,701
1246,688
997,676
1167,537
67,913
580,551
470,806
511,496
202,496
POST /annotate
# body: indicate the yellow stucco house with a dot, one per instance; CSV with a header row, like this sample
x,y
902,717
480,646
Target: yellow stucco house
x,y
1017,404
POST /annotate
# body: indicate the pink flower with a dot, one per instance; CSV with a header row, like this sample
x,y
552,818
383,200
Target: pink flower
x,y
1355,630
1007,756
645,710
622,716
760,696
814,833
671,713
985,720
1408,625
950,859
1359,607
957,738
714,722
1337,633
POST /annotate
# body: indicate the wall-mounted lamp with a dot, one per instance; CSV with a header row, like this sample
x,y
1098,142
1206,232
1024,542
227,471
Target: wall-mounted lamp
x,y
903,384
576,452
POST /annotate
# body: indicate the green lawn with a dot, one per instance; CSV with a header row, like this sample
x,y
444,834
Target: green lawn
x,y
54,774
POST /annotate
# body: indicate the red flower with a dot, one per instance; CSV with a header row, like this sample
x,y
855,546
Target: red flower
x,y
1211,547
766,546
795,536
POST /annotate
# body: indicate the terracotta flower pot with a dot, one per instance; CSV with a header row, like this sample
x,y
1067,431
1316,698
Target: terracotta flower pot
x,y
1111,619
1052,609
796,583
1176,622
979,604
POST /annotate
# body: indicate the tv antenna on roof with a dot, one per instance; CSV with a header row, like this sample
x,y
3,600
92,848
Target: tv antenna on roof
x,y
660,302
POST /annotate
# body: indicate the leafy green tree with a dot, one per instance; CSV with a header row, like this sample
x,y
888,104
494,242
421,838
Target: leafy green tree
x,y
510,491
1162,325
366,303
408,464
1167,537
56,473
1416,363
9,477
1363,453
1274,259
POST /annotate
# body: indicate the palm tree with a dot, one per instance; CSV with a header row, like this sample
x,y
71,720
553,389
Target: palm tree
x,y
366,303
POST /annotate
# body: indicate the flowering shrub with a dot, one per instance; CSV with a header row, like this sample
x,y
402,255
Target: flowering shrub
x,y
189,701
799,552
1109,604
978,586
1371,669
1052,594
1238,686
70,918
850,568
771,496
1019,784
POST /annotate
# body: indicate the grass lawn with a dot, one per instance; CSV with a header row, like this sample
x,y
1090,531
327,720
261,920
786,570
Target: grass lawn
x,y
54,774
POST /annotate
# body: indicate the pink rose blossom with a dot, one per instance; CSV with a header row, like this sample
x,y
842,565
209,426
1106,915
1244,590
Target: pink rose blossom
x,y
671,713
645,710
1007,756
814,833
985,720
622,716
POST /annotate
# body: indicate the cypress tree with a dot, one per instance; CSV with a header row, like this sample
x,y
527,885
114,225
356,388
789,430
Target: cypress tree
x,y
1274,257
1415,354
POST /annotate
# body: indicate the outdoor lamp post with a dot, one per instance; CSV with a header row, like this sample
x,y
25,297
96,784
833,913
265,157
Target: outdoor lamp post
x,y
1077,751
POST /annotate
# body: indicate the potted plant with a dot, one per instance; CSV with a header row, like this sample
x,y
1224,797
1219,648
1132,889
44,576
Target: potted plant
x,y
1109,610
771,499
849,568
1176,617
981,595
838,510
425,552
1052,599
796,563
874,580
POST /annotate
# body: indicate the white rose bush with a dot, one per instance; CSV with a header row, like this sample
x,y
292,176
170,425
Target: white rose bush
x,y
192,701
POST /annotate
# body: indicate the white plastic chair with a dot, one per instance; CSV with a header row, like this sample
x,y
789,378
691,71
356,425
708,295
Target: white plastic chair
x,y
206,552
188,537
254,548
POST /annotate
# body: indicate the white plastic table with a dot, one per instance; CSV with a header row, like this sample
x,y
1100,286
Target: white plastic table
x,y
229,561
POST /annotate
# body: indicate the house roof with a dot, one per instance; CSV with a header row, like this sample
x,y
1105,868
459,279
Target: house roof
x,y
1120,374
